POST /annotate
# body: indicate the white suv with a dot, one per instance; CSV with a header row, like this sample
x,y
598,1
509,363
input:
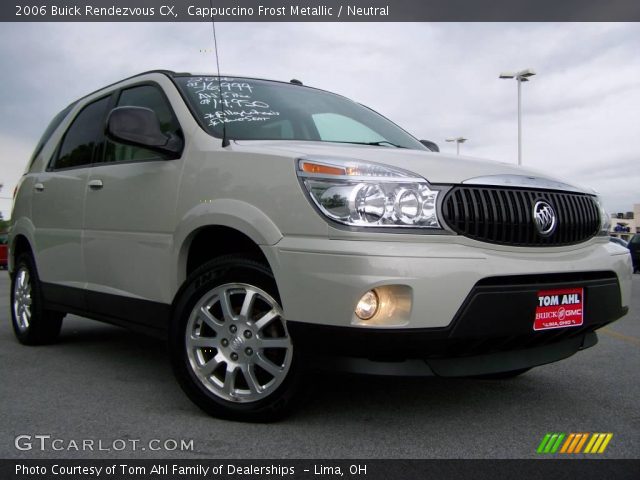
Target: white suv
x,y
263,227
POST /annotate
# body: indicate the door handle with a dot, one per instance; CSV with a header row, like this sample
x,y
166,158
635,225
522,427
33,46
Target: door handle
x,y
95,184
39,187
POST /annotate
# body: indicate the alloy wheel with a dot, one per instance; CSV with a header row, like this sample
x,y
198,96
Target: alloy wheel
x,y
22,299
237,342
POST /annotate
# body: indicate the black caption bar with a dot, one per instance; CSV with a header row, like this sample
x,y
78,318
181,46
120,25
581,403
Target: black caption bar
x,y
584,469
320,11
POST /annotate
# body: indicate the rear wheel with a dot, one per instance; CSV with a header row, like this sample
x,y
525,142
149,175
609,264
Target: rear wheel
x,y
230,347
32,323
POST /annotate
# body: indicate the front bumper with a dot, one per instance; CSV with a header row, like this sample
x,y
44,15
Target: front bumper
x,y
496,316
492,332
320,281
472,310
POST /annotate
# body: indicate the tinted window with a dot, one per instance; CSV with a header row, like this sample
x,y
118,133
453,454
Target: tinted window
x,y
57,120
149,97
80,140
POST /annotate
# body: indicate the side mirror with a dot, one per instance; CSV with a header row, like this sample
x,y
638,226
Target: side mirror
x,y
430,145
140,127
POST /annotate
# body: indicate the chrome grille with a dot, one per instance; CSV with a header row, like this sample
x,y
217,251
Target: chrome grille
x,y
505,215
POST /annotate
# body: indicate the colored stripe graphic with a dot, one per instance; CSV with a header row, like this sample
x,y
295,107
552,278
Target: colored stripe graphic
x,y
572,443
599,443
543,443
581,443
579,438
594,437
550,443
555,447
607,439
567,443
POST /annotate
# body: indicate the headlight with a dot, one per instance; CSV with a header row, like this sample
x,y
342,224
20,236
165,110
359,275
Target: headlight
x,y
369,195
605,218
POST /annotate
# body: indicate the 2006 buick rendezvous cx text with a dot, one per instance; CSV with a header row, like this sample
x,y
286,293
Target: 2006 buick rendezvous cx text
x,y
263,227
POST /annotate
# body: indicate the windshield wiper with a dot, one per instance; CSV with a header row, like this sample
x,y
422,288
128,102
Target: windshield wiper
x,y
381,143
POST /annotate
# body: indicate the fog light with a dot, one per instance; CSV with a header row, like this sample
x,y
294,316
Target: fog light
x,y
367,306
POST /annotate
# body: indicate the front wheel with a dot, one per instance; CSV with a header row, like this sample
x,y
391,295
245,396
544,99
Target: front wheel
x,y
230,347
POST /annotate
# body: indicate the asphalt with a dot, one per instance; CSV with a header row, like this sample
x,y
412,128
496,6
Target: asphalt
x,y
104,383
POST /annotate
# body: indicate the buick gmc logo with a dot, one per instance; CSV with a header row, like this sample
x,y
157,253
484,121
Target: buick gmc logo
x,y
544,217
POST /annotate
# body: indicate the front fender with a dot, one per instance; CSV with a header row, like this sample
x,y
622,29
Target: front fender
x,y
241,216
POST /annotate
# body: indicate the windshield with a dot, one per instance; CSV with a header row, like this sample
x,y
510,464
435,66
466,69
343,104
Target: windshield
x,y
263,110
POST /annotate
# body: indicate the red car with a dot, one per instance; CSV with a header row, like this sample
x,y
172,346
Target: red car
x,y
3,250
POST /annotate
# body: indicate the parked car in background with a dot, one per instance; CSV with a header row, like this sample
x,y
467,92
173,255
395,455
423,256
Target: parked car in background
x,y
3,250
619,241
634,248
262,227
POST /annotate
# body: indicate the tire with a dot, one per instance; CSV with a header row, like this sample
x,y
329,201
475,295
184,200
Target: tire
x,y
32,324
503,375
236,362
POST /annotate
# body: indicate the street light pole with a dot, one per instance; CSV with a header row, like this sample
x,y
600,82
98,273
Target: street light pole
x,y
458,141
519,122
521,76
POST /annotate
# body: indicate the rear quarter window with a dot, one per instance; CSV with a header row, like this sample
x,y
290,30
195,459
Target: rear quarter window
x,y
53,125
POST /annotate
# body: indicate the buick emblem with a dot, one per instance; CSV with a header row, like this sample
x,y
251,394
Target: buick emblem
x,y
545,218
237,344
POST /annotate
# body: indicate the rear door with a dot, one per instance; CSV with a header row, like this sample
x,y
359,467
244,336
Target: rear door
x,y
58,200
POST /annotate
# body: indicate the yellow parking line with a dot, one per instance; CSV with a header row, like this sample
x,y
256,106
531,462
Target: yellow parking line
x,y
620,336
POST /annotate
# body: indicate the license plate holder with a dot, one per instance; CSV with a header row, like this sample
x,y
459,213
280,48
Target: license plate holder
x,y
559,308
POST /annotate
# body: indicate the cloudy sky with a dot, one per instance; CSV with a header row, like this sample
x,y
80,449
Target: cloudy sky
x,y
581,112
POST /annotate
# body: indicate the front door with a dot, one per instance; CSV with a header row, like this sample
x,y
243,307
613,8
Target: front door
x,y
130,220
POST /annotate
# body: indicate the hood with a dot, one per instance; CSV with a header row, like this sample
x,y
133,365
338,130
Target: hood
x,y
436,168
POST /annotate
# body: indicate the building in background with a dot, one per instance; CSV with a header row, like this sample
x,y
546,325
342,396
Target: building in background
x,y
625,224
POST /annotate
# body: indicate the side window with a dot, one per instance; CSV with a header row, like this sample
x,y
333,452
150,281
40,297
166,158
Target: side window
x,y
57,120
81,137
147,96
333,127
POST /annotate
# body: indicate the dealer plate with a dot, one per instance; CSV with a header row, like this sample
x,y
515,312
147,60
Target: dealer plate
x,y
559,308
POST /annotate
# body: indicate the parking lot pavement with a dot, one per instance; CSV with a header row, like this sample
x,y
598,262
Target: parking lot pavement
x,y
104,383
